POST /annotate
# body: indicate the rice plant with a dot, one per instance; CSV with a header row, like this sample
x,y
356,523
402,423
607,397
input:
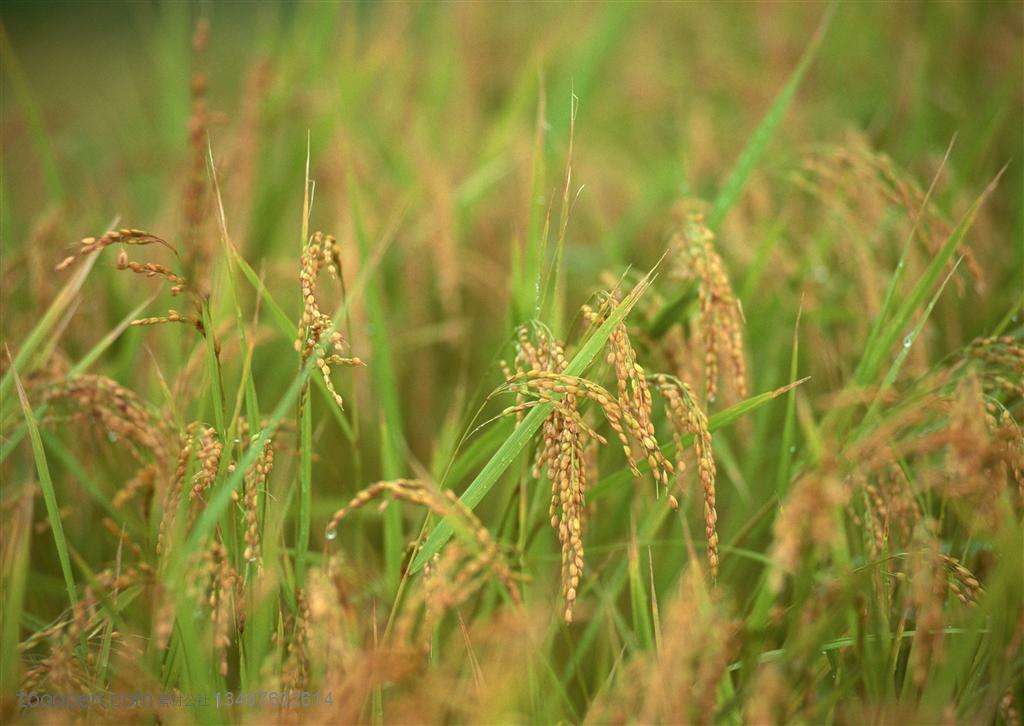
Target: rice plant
x,y
652,363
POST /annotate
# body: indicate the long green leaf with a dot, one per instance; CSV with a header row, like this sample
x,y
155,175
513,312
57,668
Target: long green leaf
x,y
870,365
45,326
46,484
382,372
18,536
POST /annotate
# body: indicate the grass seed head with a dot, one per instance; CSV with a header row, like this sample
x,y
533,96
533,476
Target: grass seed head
x,y
721,317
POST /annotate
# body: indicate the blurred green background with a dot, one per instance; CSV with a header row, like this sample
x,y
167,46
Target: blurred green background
x,y
435,108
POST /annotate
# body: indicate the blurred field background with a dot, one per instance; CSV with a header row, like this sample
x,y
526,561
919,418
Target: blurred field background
x,y
438,138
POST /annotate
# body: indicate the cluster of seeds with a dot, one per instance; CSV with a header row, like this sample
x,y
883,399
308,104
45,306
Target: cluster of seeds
x,y
126,236
561,454
680,684
633,393
143,482
687,418
224,585
255,482
151,269
857,179
296,668
537,377
721,317
891,511
927,595
172,316
320,253
444,504
118,411
140,238
463,568
62,669
962,582
208,452
1002,359
173,494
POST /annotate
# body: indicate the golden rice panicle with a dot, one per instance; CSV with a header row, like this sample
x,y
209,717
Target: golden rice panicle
x,y
568,475
142,483
721,316
807,521
186,446
140,238
1011,439
634,394
120,413
316,336
891,511
562,455
223,601
443,504
208,454
1008,709
1001,363
462,569
255,482
295,673
928,583
124,236
686,418
409,490
679,683
864,183
64,668
173,316
151,269
962,582
547,387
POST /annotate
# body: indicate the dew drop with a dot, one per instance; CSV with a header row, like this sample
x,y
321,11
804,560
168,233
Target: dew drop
x,y
111,436
331,533
907,341
254,559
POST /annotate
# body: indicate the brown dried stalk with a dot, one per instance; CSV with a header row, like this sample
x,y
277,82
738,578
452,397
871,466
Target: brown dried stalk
x,y
198,251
